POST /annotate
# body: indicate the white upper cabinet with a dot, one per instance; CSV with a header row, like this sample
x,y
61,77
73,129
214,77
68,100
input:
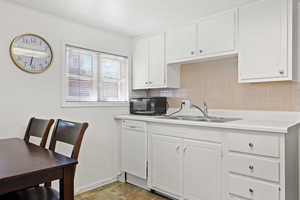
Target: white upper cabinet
x,y
265,41
149,65
181,43
211,37
140,64
261,33
157,61
217,34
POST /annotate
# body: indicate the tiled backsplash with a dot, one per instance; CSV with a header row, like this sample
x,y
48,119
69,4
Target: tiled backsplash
x,y
216,83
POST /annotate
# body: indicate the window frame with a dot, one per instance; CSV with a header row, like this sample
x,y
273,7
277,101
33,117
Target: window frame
x,y
64,78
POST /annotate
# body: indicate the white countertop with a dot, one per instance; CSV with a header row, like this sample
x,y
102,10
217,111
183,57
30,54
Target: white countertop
x,y
266,125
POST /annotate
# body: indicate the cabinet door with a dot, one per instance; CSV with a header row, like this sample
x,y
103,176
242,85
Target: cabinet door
x,y
166,164
140,64
262,41
216,34
181,43
201,170
134,146
157,61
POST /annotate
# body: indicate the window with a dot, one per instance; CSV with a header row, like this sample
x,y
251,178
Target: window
x,y
93,76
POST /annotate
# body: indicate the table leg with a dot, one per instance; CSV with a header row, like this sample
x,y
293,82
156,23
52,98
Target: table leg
x,y
66,184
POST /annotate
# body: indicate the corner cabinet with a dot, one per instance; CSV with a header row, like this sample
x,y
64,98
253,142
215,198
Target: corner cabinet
x,y
211,37
149,66
266,41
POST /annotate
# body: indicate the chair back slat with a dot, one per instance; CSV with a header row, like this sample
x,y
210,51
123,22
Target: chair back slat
x,y
70,133
38,128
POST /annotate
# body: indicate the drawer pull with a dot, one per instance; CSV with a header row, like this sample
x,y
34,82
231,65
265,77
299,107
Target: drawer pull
x,y
251,145
251,191
184,149
251,167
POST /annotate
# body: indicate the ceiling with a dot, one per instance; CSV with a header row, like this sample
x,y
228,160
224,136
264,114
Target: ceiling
x,y
131,17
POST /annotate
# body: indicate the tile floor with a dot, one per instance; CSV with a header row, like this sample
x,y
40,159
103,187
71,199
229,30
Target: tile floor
x,y
118,191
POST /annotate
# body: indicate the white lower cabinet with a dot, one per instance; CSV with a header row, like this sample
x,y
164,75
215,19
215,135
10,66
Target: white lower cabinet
x,y
166,164
201,170
201,163
186,168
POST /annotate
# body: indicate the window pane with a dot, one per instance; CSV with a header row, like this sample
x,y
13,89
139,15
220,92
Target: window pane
x,y
114,78
82,90
74,63
111,68
94,76
110,91
74,88
82,75
86,65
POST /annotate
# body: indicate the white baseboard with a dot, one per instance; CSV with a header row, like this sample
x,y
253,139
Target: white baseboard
x,y
137,181
95,185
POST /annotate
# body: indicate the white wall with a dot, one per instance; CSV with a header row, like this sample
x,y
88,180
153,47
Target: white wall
x,y
24,95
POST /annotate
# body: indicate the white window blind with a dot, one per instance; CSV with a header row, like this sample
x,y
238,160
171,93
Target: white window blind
x,y
93,76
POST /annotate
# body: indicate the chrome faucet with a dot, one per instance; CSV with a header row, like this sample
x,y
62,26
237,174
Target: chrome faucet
x,y
204,111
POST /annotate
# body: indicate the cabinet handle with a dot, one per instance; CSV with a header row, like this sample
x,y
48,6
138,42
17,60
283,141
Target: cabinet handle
x,y
281,72
184,149
149,82
192,52
251,190
200,51
146,82
132,127
177,148
251,145
251,167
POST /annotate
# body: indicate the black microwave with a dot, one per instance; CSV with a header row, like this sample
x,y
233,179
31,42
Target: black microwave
x,y
148,106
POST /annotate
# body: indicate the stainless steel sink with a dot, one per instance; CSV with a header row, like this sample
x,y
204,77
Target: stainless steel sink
x,y
201,118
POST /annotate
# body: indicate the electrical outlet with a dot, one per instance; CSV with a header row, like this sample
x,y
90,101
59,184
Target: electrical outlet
x,y
186,104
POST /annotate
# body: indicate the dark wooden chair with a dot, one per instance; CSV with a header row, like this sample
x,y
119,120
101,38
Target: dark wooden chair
x,y
66,132
38,128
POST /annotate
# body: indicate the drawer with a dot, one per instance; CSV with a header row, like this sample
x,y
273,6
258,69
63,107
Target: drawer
x,y
252,189
264,145
134,125
254,167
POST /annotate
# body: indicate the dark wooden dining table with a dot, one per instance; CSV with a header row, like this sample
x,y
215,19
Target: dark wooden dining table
x,y
24,165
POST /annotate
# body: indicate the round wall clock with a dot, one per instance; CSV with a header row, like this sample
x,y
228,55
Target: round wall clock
x,y
31,53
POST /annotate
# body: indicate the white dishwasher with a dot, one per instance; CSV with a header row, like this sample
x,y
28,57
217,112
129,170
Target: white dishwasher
x,y
134,148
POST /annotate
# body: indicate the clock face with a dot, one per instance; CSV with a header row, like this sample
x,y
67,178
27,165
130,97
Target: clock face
x,y
31,53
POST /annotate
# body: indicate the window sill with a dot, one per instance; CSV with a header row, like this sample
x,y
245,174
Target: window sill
x,y
94,104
